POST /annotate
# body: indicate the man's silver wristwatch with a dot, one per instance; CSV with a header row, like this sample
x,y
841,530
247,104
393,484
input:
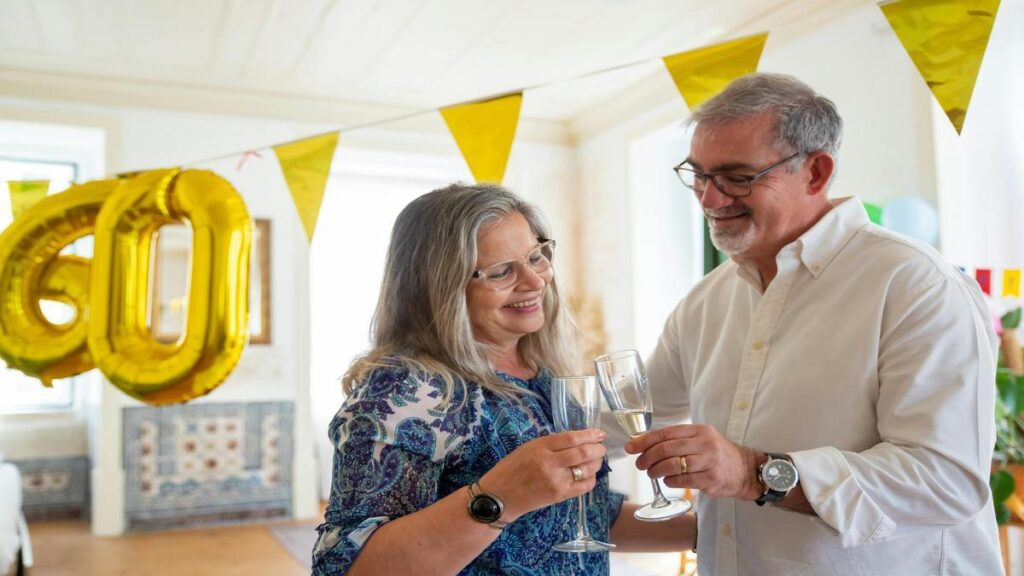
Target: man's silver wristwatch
x,y
778,475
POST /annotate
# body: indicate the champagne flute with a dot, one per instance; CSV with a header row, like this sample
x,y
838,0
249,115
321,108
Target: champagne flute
x,y
624,383
576,405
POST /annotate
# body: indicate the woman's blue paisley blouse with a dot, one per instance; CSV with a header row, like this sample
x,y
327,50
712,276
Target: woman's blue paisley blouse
x,y
398,452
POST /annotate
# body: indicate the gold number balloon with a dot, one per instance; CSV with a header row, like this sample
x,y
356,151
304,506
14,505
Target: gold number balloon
x,y
217,319
32,270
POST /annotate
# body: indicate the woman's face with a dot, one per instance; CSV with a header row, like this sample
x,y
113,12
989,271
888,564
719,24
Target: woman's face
x,y
503,317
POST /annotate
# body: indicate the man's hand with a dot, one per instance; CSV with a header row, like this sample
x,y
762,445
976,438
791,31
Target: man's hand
x,y
698,456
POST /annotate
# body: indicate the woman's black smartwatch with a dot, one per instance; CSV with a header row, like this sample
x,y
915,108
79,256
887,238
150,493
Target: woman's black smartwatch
x,y
485,507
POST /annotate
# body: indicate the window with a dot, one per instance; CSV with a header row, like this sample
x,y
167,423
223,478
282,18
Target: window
x,y
62,155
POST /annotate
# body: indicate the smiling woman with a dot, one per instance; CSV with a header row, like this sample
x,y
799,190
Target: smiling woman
x,y
448,418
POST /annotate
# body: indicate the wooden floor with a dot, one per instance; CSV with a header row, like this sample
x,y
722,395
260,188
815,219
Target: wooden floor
x,y
68,548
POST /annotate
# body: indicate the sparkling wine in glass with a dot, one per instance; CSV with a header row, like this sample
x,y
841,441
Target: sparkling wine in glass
x,y
576,405
624,384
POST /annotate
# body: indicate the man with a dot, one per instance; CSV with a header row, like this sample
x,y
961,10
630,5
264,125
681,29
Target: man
x,y
840,377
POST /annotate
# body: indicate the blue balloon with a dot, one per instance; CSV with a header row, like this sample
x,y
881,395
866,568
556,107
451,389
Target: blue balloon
x,y
912,216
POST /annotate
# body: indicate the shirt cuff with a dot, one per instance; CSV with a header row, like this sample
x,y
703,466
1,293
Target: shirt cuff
x,y
344,545
832,490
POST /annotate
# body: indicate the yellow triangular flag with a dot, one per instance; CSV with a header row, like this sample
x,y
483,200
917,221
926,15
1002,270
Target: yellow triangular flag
x,y
306,164
946,39
1011,283
702,73
25,193
484,132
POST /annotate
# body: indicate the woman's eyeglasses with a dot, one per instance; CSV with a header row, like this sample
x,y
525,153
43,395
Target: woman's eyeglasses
x,y
504,275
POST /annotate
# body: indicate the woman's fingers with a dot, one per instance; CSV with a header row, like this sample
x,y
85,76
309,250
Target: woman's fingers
x,y
588,470
564,440
579,454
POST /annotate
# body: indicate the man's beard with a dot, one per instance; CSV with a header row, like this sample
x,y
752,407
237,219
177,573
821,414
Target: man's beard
x,y
732,241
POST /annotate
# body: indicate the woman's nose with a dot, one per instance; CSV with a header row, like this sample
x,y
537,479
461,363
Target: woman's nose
x,y
530,280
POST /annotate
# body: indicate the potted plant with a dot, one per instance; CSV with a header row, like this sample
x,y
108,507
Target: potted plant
x,y
1007,479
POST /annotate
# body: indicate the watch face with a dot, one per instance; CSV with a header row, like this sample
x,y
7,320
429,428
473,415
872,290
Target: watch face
x,y
779,475
485,509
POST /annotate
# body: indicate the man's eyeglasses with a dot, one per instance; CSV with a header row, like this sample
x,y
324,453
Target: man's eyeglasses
x,y
504,275
728,183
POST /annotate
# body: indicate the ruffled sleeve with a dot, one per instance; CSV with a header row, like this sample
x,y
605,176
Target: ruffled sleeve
x,y
391,441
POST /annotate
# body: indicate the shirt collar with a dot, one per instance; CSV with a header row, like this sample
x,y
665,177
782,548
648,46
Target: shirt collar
x,y
821,244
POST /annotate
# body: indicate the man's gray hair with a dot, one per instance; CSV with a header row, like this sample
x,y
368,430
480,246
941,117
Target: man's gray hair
x,y
805,120
422,321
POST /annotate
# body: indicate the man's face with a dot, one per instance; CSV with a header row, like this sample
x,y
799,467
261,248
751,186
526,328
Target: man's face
x,y
775,213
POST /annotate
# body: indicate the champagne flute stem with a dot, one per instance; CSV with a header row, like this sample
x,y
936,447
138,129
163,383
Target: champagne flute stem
x,y
582,531
659,498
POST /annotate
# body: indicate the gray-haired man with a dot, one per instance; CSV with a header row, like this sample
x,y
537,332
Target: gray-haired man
x,y
840,377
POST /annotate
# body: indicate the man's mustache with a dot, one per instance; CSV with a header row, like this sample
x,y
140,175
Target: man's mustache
x,y
727,212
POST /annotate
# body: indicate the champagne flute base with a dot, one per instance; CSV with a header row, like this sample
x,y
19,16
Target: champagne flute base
x,y
583,545
670,509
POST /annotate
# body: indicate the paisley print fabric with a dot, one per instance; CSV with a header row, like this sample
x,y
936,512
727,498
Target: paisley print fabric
x,y
399,449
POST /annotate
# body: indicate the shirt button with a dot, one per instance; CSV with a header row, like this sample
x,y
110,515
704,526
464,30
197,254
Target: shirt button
x,y
759,345
727,531
743,405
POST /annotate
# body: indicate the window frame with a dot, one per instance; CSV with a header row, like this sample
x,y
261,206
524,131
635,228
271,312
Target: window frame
x,y
84,150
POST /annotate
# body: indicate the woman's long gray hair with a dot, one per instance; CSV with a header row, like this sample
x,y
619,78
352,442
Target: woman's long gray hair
x,y
422,321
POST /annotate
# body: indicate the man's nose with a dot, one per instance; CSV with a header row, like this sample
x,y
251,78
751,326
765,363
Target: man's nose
x,y
713,198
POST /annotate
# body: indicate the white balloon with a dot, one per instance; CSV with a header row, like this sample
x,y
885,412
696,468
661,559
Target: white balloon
x,y
912,217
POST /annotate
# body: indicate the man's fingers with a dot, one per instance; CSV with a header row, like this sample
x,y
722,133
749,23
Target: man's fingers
x,y
642,443
676,465
668,449
696,480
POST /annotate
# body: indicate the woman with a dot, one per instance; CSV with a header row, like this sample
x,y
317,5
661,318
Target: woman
x,y
446,461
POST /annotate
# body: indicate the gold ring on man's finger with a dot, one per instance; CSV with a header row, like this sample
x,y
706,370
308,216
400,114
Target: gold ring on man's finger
x,y
682,464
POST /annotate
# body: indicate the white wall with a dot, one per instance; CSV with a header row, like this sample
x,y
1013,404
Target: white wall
x,y
981,171
859,63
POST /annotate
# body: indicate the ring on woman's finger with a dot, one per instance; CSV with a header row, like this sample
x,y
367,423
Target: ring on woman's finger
x,y
577,473
682,464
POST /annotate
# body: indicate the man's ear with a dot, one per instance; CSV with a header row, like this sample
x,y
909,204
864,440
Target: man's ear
x,y
821,166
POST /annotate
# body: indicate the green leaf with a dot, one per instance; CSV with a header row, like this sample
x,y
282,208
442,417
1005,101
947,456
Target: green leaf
x,y
1011,320
1002,485
1002,514
1006,383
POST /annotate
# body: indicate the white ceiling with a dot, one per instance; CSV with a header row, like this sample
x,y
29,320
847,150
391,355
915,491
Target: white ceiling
x,y
369,58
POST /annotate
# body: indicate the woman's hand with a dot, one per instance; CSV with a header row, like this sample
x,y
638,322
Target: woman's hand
x,y
539,473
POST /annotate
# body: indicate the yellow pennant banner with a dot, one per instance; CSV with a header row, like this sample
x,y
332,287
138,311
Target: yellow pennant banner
x,y
1011,283
484,132
25,193
306,165
946,39
702,73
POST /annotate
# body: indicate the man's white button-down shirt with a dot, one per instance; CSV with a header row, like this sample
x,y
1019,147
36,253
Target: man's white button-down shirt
x,y
871,362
